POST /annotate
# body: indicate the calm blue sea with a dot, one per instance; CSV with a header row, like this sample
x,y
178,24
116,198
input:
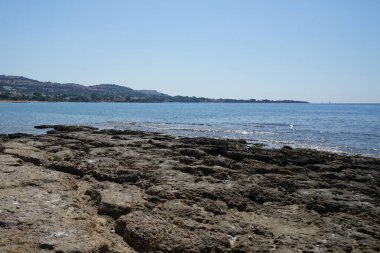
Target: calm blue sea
x,y
342,128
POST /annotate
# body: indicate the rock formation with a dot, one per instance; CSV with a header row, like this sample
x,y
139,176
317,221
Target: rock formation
x,y
80,189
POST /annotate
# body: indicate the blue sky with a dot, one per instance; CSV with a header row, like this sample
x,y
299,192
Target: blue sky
x,y
320,51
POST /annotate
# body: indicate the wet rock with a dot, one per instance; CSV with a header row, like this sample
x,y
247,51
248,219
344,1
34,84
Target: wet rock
x,y
18,135
66,128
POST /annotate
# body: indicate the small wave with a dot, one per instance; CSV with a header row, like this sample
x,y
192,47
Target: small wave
x,y
265,133
188,129
155,123
244,132
276,138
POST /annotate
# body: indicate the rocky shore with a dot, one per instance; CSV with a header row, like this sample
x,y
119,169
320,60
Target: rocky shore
x,y
80,189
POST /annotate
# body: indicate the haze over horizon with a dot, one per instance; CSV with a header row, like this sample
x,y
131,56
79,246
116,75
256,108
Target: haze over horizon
x,y
325,51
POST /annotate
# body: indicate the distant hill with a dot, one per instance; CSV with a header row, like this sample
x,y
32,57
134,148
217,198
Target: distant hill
x,y
18,88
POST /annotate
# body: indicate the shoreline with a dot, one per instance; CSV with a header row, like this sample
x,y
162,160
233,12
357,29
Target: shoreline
x,y
129,102
16,101
80,188
269,146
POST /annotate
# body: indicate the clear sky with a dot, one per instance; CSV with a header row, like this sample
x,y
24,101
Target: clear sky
x,y
320,51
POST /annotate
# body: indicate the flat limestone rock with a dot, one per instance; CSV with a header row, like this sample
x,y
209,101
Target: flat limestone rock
x,y
153,233
44,210
26,152
10,160
115,200
79,189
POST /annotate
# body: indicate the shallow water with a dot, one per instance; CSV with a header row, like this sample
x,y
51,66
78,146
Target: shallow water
x,y
342,128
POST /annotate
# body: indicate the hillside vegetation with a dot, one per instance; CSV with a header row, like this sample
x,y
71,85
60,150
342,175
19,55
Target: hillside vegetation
x,y
18,88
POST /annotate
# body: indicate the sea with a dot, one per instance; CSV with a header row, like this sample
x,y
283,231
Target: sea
x,y
352,129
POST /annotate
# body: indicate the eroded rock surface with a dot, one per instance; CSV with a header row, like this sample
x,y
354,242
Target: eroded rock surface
x,y
80,189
